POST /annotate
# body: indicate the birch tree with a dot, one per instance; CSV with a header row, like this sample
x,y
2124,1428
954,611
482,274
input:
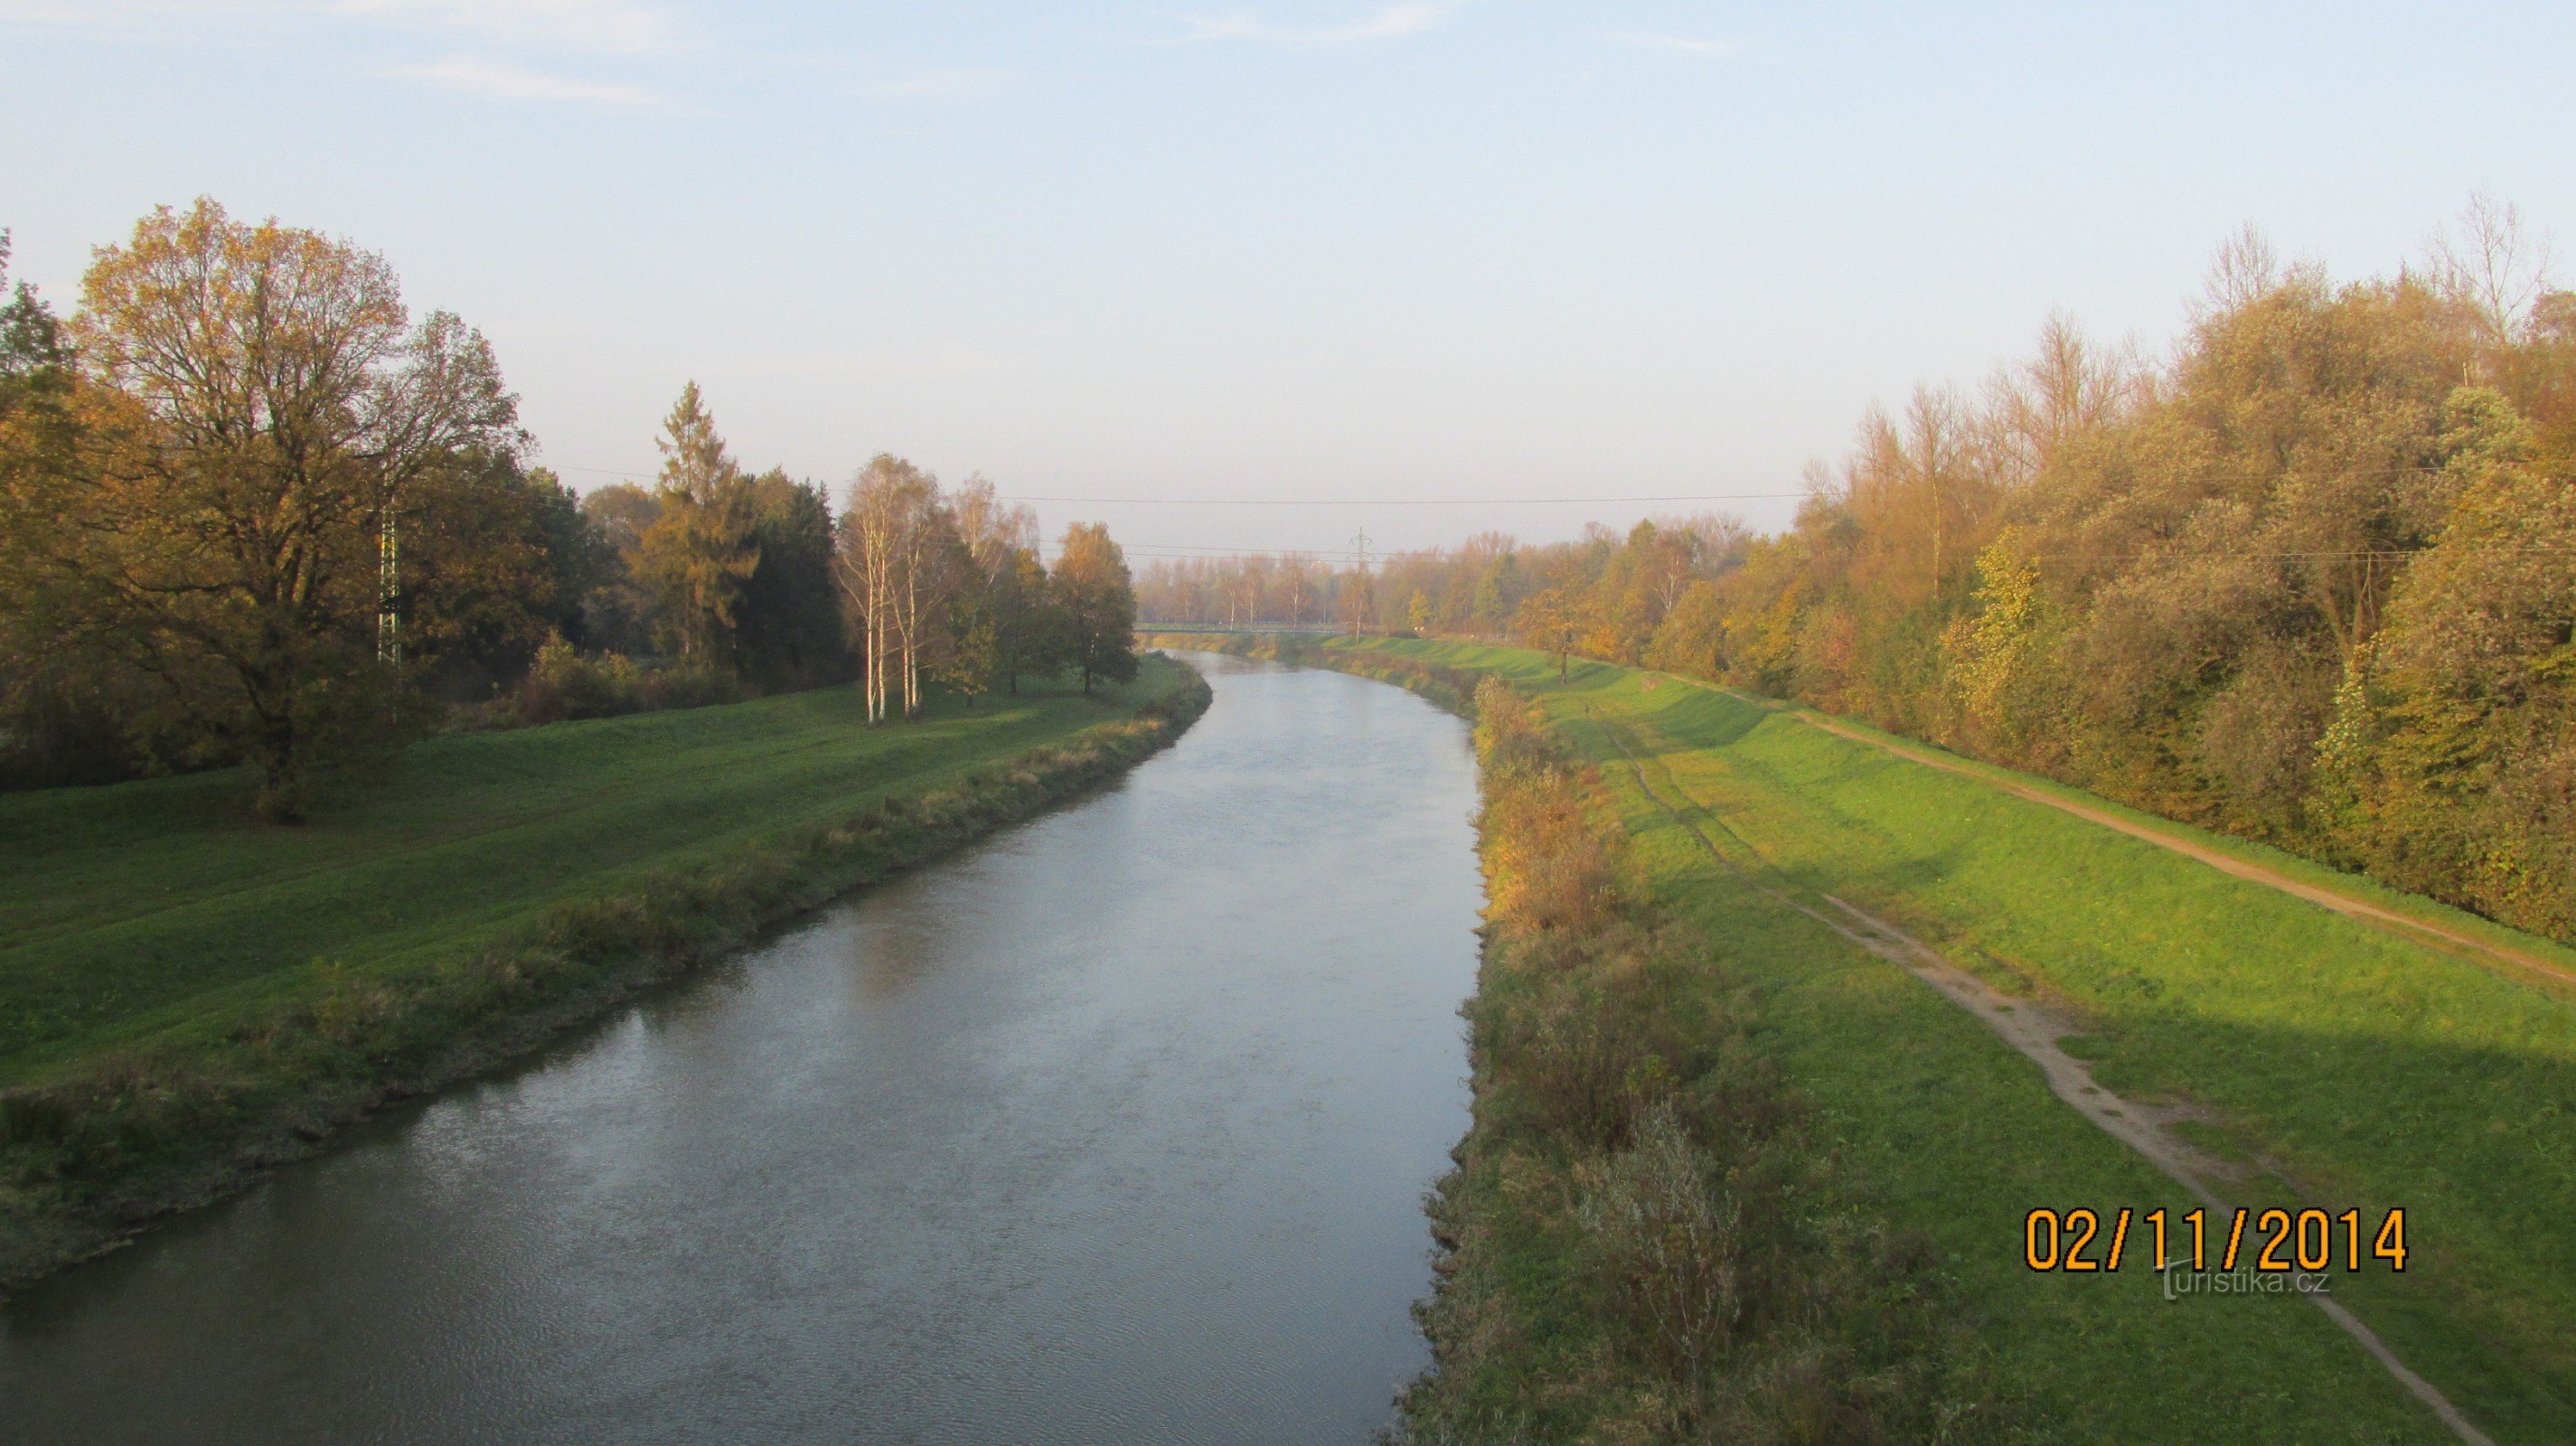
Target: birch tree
x,y
896,567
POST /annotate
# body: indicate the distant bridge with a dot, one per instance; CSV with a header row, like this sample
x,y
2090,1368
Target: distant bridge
x,y
1240,628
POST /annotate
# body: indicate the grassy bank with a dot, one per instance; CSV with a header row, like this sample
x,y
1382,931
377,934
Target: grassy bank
x,y
2338,1063
1647,1237
186,995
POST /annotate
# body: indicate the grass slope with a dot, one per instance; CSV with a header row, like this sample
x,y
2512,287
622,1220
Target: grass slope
x,y
177,982
2364,1069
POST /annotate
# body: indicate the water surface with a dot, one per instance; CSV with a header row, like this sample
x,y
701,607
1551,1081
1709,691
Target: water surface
x,y
1110,1130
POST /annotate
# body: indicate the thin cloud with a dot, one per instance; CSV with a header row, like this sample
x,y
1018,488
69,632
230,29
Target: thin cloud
x,y
1387,23
139,19
603,27
1680,44
502,80
938,85
608,27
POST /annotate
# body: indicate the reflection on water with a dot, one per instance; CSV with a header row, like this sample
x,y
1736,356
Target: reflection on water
x,y
1113,1129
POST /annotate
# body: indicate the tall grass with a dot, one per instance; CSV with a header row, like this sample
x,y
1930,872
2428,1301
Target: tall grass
x,y
1645,1238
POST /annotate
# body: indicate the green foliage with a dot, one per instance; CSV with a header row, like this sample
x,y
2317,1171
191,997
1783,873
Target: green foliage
x,y
788,629
2454,743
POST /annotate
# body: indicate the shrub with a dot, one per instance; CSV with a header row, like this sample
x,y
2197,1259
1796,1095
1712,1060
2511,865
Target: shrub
x,y
562,684
1668,1238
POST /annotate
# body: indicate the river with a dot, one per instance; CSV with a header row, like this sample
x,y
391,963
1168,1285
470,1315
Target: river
x,y
1111,1129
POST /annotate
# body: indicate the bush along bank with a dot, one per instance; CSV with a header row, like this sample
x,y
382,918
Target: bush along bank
x,y
103,1143
1643,1240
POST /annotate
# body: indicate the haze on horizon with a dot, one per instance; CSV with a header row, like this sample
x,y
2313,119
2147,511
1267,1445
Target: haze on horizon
x,y
1481,250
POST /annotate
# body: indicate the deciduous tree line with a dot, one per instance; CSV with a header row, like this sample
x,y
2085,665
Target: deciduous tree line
x,y
252,510
2309,580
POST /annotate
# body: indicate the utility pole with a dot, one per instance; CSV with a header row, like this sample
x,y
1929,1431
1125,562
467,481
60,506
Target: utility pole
x,y
389,590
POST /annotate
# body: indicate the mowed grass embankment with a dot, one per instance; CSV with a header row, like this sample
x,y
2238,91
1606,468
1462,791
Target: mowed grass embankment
x,y
173,972
2352,1066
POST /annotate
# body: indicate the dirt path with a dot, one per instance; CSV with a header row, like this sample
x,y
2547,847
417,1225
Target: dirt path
x,y
2415,930
2034,1031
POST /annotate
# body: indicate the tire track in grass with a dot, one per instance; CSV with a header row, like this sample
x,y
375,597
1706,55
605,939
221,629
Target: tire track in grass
x,y
2033,1031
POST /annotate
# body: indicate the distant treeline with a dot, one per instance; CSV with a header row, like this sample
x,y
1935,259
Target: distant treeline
x,y
251,511
2312,580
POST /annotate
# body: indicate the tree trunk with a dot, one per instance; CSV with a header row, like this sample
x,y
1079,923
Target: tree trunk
x,y
281,794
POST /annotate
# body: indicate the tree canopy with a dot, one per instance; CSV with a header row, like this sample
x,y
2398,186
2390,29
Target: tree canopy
x,y
253,510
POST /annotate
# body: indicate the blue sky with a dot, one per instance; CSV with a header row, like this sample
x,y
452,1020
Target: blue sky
x,y
1490,249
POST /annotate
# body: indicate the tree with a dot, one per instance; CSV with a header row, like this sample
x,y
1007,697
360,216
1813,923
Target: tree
x,y
896,567
60,712
1028,629
1002,621
1691,640
494,556
1493,603
702,549
1553,621
2451,761
262,401
1358,599
1092,590
616,611
788,626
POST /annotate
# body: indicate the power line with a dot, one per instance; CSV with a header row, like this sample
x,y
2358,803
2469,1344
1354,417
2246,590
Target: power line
x,y
634,475
602,471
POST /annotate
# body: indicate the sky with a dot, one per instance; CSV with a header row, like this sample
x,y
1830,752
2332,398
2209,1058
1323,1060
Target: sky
x,y
1275,275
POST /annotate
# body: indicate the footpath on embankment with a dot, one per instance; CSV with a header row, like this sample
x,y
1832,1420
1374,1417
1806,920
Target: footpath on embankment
x,y
187,996
2114,1022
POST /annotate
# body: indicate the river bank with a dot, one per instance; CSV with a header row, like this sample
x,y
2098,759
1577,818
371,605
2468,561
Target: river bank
x,y
2319,1061
189,1000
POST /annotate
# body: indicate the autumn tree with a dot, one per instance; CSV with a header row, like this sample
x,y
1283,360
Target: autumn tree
x,y
259,405
1554,621
58,713
616,611
1002,621
2450,761
1093,593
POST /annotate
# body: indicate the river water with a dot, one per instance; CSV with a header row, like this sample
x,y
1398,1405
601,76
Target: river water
x,y
1112,1129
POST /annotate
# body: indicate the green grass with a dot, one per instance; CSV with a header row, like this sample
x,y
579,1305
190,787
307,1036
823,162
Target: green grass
x,y
180,984
2369,1069
127,907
